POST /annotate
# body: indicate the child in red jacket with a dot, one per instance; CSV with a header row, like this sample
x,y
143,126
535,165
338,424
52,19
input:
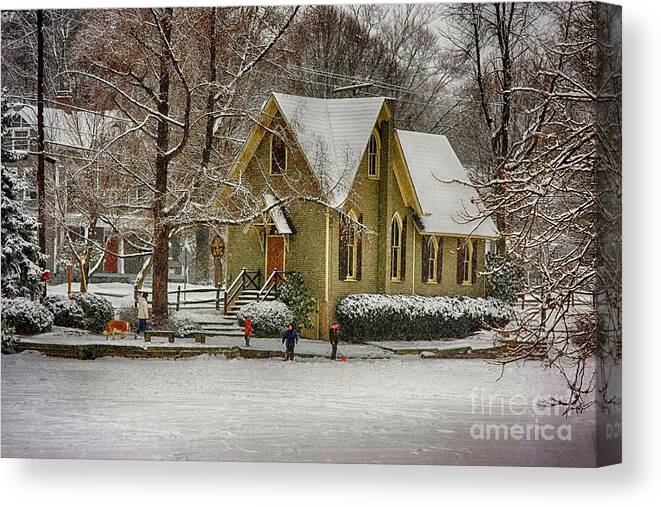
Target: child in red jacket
x,y
247,331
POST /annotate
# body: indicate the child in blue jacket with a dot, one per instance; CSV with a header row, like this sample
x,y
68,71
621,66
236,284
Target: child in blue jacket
x,y
290,339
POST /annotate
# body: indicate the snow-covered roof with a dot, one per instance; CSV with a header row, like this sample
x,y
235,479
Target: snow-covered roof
x,y
75,129
333,134
279,218
446,206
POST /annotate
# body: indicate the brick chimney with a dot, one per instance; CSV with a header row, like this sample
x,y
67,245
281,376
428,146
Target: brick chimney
x,y
64,100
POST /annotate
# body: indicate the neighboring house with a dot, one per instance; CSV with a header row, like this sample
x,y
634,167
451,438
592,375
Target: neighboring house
x,y
393,224
73,136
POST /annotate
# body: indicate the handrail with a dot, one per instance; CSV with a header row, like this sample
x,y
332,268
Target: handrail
x,y
271,284
243,279
231,291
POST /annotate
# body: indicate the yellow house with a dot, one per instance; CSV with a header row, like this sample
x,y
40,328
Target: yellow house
x,y
355,205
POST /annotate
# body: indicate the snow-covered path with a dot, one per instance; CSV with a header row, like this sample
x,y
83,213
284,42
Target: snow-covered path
x,y
375,411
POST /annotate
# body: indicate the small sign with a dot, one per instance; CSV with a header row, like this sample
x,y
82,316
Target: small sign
x,y
217,246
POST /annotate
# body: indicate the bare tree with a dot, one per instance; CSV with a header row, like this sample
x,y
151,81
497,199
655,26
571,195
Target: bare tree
x,y
553,165
151,70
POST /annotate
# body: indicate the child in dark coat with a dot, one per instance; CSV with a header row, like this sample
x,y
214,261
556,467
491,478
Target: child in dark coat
x,y
290,339
334,339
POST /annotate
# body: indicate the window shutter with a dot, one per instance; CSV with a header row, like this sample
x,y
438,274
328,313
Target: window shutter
x,y
359,250
439,261
474,263
403,248
425,257
342,251
460,262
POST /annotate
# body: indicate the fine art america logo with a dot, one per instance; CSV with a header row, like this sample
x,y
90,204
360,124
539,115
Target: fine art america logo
x,y
541,428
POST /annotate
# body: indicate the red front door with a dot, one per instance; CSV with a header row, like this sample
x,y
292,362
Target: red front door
x,y
110,258
275,254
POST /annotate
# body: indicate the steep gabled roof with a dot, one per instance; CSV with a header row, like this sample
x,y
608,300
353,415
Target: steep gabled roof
x,y
333,135
446,206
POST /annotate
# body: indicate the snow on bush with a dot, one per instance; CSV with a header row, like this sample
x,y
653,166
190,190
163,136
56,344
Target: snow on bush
x,y
26,316
66,312
411,317
183,326
268,318
97,310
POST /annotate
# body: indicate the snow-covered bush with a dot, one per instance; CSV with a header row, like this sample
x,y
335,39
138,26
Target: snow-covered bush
x,y
183,326
504,278
66,312
26,316
97,310
268,318
411,317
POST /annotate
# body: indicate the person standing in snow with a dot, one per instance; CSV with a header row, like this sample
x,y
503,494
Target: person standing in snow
x,y
247,330
334,339
290,339
143,313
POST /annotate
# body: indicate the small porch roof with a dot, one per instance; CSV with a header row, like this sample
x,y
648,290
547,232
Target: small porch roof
x,y
278,215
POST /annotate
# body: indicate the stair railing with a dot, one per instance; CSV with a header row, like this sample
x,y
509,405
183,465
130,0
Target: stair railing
x,y
244,280
271,285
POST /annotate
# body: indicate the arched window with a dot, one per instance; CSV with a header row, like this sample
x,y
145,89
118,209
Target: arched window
x,y
278,153
468,262
432,259
352,247
374,155
396,248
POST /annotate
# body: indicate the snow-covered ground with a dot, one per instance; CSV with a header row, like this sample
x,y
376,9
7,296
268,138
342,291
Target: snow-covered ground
x,y
121,294
388,411
483,339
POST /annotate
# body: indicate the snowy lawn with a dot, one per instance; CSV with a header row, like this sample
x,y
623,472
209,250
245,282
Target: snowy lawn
x,y
121,294
479,340
389,411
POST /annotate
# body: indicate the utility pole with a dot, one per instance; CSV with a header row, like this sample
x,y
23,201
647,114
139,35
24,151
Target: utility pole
x,y
41,185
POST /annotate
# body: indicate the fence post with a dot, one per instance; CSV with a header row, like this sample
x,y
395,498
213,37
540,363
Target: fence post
x,y
218,297
178,296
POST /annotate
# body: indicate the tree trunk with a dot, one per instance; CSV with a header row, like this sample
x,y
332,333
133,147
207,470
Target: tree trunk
x,y
83,277
161,253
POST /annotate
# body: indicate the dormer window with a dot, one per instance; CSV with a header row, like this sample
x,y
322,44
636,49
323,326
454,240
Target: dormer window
x,y
278,153
374,156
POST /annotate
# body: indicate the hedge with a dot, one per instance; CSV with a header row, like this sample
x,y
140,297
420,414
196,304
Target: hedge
x,y
410,317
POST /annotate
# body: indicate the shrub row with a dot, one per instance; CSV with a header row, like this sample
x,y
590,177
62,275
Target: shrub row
x,y
81,310
411,317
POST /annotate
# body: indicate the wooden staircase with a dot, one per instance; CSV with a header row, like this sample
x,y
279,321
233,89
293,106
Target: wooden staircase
x,y
244,290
